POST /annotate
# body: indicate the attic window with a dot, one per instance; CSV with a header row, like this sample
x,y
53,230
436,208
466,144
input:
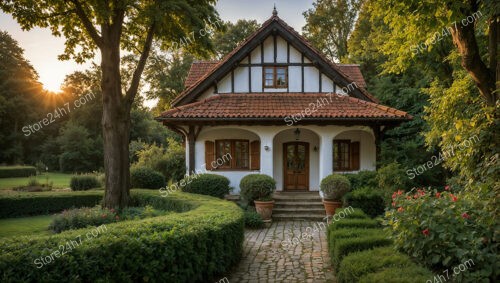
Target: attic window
x,y
275,77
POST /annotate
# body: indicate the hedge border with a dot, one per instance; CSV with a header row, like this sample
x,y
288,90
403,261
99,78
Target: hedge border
x,y
194,246
17,171
26,204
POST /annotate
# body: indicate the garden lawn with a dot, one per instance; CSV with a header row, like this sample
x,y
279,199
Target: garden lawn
x,y
59,180
25,226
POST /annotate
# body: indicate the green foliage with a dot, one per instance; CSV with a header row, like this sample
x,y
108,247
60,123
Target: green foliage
x,y
256,187
352,213
24,204
84,182
362,179
95,216
329,24
170,162
207,184
194,246
369,199
335,186
344,246
409,274
17,171
33,181
358,264
79,149
232,35
146,178
391,178
443,230
355,223
253,220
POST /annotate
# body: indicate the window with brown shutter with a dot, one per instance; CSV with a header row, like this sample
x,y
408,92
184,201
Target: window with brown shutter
x,y
255,155
209,154
346,155
233,154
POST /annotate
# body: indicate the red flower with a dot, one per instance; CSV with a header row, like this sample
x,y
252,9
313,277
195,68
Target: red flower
x,y
465,215
103,216
394,195
438,194
415,196
447,188
408,197
425,232
400,209
400,192
393,204
422,193
117,217
453,198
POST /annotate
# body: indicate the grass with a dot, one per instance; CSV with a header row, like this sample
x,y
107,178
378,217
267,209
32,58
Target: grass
x,y
59,180
25,226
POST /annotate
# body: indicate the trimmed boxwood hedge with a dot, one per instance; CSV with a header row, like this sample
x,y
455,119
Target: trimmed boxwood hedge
x,y
358,264
84,182
408,274
193,246
207,184
17,171
23,204
370,200
355,223
346,246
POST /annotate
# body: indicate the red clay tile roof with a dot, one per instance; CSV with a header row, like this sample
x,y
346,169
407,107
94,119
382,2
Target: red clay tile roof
x,y
200,68
267,23
280,105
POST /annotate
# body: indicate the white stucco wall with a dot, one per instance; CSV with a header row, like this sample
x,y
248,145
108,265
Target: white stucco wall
x,y
271,161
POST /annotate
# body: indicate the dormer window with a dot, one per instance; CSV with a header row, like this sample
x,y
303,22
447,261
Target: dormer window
x,y
275,77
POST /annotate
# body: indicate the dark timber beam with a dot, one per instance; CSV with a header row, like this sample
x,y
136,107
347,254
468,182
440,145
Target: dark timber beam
x,y
191,137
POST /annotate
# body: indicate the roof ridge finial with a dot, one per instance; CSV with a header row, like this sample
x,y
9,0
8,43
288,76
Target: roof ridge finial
x,y
275,12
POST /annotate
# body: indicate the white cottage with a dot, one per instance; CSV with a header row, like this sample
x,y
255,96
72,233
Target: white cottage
x,y
280,108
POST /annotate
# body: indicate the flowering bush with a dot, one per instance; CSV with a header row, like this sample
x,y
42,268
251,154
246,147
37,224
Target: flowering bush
x,y
443,230
95,216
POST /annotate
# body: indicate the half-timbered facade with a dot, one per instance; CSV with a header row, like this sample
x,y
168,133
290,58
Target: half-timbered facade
x,y
280,108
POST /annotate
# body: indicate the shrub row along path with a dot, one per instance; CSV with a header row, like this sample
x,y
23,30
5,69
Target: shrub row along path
x,y
266,260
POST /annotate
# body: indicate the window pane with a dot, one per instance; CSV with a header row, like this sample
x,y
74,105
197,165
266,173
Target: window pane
x,y
269,82
341,155
223,148
269,71
281,77
241,152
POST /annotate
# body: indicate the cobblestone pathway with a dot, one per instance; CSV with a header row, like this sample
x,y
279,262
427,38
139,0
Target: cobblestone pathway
x,y
304,259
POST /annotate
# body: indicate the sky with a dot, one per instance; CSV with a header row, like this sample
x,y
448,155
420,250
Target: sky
x,y
41,48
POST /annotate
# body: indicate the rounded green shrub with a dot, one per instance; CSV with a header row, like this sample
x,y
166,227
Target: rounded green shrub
x,y
146,178
370,200
253,220
191,246
335,186
362,179
207,184
84,182
257,187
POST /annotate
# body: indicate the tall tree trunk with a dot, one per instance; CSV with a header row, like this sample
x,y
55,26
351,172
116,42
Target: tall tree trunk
x,y
116,130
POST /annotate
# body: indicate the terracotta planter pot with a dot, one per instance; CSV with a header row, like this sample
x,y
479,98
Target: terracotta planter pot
x,y
264,208
330,206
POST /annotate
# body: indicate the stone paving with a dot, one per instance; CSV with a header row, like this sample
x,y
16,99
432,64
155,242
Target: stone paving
x,y
303,257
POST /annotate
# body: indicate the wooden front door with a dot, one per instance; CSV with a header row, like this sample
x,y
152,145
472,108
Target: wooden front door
x,y
296,166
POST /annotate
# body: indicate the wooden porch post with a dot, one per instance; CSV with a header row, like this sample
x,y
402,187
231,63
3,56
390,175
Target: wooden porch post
x,y
378,137
191,141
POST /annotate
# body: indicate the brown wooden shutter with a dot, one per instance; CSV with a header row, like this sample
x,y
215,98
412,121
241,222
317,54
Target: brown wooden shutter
x,y
255,155
355,156
209,154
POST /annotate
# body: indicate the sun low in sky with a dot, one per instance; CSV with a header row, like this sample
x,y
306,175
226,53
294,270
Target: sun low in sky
x,y
41,48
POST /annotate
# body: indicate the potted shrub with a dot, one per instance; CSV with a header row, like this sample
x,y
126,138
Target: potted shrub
x,y
257,189
334,187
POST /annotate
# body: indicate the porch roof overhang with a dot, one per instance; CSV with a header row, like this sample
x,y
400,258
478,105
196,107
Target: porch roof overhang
x,y
283,109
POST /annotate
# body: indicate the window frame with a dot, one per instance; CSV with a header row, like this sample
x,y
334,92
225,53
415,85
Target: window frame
x,y
232,150
349,161
275,76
